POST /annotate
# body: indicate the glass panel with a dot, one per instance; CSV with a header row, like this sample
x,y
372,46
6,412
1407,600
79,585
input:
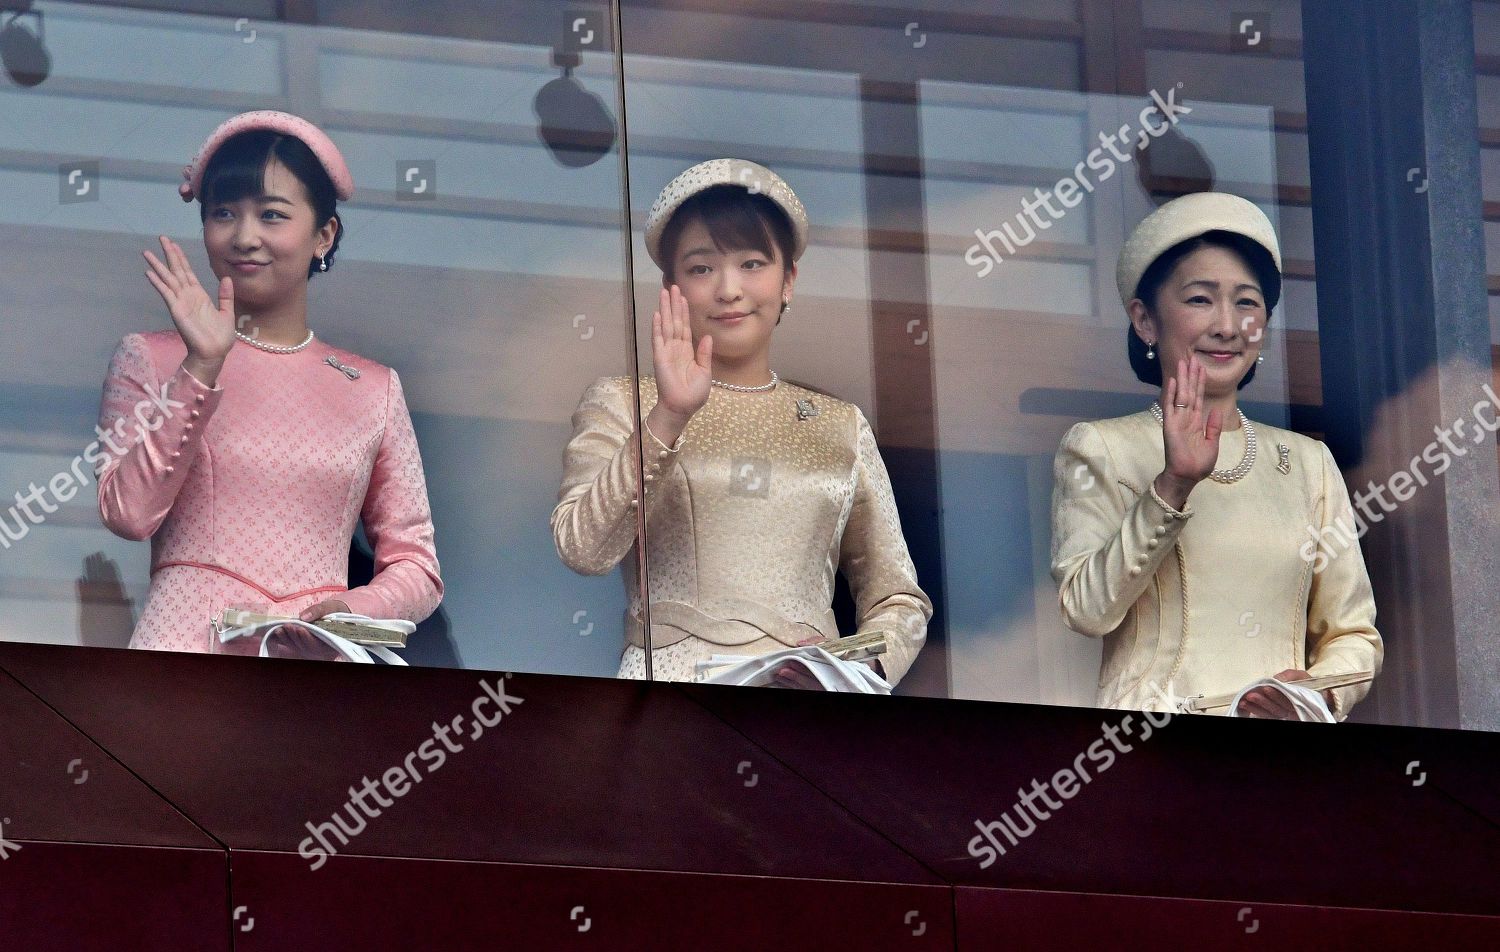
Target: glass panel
x,y
682,113
826,98
1487,49
485,268
486,262
930,135
1028,337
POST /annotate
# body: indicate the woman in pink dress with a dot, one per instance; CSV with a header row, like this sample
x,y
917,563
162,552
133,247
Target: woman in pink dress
x,y
244,448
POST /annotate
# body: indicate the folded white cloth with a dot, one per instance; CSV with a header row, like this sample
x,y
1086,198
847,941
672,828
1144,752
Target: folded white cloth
x,y
361,654
834,674
1309,704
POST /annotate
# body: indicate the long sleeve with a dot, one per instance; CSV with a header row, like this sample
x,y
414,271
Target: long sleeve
x,y
398,522
1104,554
594,522
874,558
1341,635
150,433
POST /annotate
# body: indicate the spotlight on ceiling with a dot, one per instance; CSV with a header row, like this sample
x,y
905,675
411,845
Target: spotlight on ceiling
x,y
574,124
22,52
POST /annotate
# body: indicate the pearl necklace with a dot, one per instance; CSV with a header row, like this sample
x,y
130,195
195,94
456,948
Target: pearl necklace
x,y
272,348
1246,461
742,389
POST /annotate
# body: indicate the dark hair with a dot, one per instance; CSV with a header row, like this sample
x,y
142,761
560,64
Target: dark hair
x,y
1251,252
238,170
735,219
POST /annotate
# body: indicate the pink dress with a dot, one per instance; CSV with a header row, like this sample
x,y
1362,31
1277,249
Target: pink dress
x,y
250,492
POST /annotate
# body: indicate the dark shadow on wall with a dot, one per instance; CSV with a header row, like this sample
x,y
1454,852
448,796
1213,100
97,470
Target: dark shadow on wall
x,y
106,615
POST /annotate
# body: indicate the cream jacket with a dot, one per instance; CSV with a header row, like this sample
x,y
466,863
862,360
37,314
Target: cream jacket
x,y
1211,598
748,518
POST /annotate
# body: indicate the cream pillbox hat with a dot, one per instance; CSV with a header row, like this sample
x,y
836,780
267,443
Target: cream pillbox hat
x,y
1188,217
754,178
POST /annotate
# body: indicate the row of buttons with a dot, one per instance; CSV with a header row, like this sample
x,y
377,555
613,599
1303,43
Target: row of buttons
x,y
184,441
1143,558
651,476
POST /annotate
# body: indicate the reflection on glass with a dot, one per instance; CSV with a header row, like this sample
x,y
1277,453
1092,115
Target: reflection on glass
x,y
1029,335
971,320
508,259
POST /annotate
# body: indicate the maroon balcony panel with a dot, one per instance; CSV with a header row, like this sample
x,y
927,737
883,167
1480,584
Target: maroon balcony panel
x,y
365,904
1204,808
1001,920
582,771
91,857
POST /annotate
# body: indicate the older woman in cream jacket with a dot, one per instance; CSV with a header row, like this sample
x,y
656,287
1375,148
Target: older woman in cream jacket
x,y
1179,532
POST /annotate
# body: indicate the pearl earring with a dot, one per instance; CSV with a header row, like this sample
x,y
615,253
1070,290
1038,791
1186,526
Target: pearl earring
x,y
322,263
1150,351
786,305
1260,358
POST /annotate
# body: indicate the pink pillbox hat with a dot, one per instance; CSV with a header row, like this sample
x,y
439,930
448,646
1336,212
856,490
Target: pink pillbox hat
x,y
315,139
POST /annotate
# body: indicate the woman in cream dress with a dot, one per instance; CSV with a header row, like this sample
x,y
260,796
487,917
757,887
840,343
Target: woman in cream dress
x,y
1179,532
757,491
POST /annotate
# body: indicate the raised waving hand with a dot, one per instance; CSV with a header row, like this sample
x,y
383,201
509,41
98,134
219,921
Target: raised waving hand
x,y
684,372
1191,440
207,324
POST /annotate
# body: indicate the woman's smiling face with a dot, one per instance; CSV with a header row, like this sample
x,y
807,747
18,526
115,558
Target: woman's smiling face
x,y
264,242
735,296
1211,310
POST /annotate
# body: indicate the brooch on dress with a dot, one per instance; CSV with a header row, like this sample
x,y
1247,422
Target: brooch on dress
x,y
806,409
1285,463
344,369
